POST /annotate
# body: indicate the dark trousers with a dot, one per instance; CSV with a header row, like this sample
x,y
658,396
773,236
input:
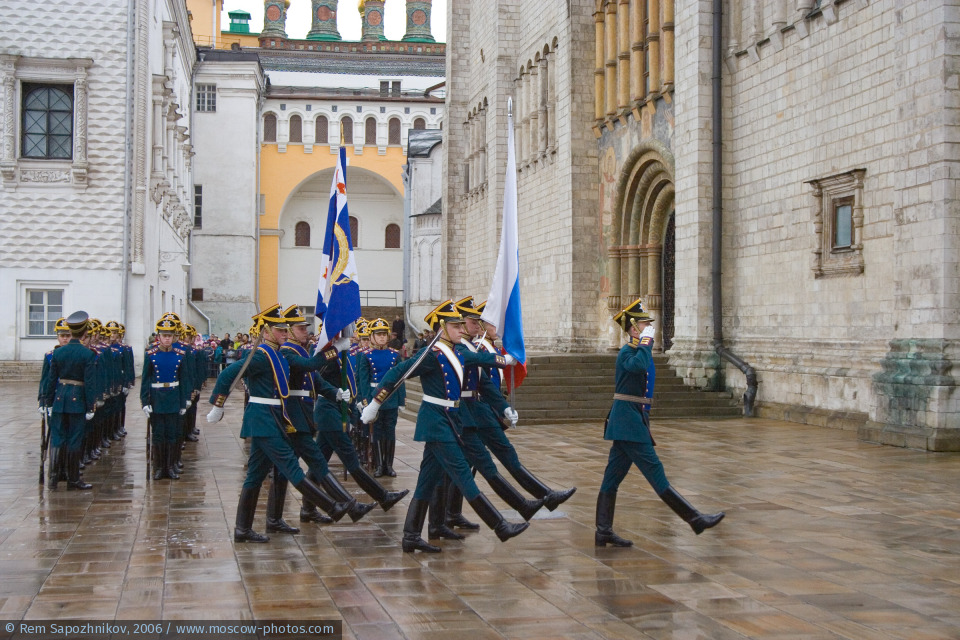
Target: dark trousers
x,y
440,458
267,451
72,427
499,445
330,441
476,453
385,426
309,451
622,455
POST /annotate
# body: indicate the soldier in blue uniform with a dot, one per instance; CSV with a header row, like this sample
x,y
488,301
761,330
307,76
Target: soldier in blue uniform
x,y
58,469
628,428
163,395
373,364
70,394
268,424
441,372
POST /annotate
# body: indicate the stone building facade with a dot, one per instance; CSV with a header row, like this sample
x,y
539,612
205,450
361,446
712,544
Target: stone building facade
x,y
837,194
96,186
423,205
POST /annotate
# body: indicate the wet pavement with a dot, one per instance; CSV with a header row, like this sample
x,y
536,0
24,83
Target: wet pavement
x,y
825,537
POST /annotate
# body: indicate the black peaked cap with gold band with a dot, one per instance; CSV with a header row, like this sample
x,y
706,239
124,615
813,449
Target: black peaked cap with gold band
x,y
293,316
445,312
634,312
466,308
378,324
273,317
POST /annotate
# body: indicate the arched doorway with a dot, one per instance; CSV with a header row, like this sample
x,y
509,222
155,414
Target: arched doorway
x,y
640,264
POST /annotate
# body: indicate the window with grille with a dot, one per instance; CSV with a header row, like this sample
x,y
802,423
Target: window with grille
x,y
322,134
370,132
196,295
392,237
384,88
419,123
346,128
270,127
44,308
354,232
396,89
197,206
47,121
206,97
301,234
296,129
394,127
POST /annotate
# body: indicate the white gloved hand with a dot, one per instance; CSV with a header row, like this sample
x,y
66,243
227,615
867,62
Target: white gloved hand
x,y
147,409
510,360
649,332
189,404
49,412
182,411
89,415
370,412
215,415
125,390
42,410
343,394
511,414
341,344
98,404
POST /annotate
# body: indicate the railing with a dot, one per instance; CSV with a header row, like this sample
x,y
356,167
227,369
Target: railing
x,y
381,298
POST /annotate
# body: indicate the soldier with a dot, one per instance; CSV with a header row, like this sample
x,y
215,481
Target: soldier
x,y
373,364
441,373
628,428
266,421
91,439
163,395
58,469
70,394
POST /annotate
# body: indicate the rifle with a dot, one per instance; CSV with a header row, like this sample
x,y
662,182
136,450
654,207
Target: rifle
x,y
416,363
149,457
44,443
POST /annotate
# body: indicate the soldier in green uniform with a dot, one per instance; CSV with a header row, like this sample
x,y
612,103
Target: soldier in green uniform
x,y
266,421
58,469
163,395
70,393
441,371
628,428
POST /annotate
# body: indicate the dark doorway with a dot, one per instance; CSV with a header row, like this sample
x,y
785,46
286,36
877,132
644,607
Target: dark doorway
x,y
668,268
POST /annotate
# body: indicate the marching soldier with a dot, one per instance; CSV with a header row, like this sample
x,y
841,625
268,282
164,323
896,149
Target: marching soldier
x,y
70,395
441,372
268,424
163,395
373,364
628,429
58,469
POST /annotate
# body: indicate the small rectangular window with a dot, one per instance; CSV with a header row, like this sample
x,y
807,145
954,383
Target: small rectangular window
x,y
396,89
384,88
44,308
196,295
207,98
197,206
843,223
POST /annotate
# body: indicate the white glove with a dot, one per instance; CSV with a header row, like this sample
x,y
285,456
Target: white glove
x,y
183,411
510,360
370,412
49,412
147,409
189,404
42,410
341,344
348,330
511,414
98,404
125,390
343,394
215,415
89,415
649,332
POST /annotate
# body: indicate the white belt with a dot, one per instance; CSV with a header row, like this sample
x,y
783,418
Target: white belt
x,y
467,394
441,401
271,401
165,385
374,384
303,393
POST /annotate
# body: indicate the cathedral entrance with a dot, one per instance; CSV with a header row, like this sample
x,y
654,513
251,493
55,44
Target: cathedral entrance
x,y
668,269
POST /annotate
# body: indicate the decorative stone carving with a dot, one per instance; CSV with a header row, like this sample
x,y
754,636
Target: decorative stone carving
x,y
44,176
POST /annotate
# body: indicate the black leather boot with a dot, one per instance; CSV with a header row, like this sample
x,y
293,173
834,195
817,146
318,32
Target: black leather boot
x,y
275,500
377,458
312,492
309,513
437,515
526,508
697,521
53,476
389,449
532,485
159,460
73,473
356,509
171,464
243,531
455,509
377,491
606,505
494,519
412,527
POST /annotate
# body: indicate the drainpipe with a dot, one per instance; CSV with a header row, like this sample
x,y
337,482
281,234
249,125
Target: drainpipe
x,y
406,173
128,164
751,393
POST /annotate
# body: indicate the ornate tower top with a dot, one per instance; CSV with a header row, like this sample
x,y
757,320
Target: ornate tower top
x,y
371,12
275,18
418,21
324,21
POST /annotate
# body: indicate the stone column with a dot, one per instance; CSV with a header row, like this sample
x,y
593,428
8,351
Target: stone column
x,y
8,160
598,90
653,44
274,18
668,46
418,21
324,21
623,57
371,13
637,89
610,77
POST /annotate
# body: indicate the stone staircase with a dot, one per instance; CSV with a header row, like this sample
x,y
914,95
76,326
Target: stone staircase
x,y
20,371
579,388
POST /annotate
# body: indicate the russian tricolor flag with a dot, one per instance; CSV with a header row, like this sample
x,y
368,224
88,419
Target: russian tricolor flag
x,y
338,294
503,303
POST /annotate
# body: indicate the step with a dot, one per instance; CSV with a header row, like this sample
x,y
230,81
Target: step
x,y
21,370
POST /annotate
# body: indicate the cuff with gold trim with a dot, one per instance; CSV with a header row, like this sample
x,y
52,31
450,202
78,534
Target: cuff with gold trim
x,y
219,399
381,395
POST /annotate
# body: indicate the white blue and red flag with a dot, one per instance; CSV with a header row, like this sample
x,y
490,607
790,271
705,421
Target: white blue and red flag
x,y
338,294
503,303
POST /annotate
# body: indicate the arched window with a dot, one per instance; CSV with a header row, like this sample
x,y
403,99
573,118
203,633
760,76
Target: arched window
x,y
392,237
394,137
301,234
346,126
322,134
370,132
270,127
354,232
296,129
419,123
